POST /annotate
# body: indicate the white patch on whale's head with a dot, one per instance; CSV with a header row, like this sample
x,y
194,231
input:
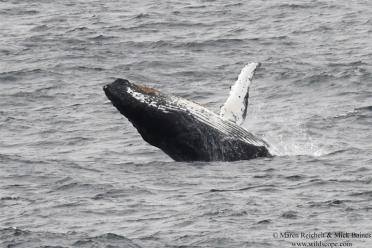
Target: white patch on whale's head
x,y
147,97
128,97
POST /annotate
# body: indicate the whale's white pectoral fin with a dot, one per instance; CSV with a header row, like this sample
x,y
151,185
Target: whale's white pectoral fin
x,y
235,107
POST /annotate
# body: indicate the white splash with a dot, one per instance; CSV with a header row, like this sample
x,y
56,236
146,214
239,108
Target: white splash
x,y
287,145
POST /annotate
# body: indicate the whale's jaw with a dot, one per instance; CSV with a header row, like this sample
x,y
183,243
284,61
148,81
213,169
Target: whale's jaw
x,y
182,129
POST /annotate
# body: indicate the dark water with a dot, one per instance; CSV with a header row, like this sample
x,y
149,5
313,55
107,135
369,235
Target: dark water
x,y
75,173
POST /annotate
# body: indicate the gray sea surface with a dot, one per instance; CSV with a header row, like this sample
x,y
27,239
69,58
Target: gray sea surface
x,y
75,173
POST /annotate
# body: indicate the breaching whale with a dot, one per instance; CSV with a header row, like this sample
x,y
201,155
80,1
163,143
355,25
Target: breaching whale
x,y
186,131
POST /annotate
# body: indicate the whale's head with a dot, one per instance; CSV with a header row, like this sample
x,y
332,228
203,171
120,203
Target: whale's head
x,y
134,101
152,113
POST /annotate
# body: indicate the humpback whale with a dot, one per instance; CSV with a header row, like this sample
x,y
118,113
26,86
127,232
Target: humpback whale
x,y
187,131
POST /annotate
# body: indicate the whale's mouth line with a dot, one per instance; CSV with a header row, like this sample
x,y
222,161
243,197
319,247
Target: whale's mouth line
x,y
107,91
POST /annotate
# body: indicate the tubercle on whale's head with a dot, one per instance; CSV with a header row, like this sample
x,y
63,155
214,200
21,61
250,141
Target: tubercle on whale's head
x,y
146,90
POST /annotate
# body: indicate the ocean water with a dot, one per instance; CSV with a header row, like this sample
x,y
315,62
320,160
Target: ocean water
x,y
75,173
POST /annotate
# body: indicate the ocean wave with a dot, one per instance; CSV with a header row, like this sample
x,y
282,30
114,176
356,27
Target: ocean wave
x,y
158,25
20,74
187,44
18,12
15,237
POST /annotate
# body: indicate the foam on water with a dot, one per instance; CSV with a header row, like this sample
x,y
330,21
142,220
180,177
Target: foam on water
x,y
294,143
